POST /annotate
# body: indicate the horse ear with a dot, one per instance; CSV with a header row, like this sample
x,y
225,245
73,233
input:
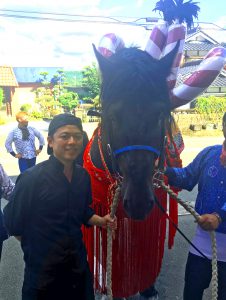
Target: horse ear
x,y
167,61
104,64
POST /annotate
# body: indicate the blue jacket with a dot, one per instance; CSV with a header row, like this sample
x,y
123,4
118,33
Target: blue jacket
x,y
210,175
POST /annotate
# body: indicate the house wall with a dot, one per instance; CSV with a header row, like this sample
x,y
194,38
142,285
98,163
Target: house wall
x,y
22,95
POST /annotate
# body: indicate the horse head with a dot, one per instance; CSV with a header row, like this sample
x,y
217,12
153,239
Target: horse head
x,y
135,103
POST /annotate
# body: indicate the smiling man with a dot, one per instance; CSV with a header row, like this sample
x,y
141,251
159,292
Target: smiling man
x,y
48,207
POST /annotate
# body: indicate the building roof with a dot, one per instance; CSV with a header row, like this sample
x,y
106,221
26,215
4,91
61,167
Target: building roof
x,y
186,71
209,32
32,74
202,39
199,46
7,76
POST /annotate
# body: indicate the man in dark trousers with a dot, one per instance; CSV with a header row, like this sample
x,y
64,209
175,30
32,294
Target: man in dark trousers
x,y
50,203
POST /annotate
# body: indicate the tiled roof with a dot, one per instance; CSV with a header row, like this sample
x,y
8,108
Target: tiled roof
x,y
199,46
7,76
212,32
185,72
32,74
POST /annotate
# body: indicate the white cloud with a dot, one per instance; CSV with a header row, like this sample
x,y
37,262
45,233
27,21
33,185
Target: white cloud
x,y
221,22
26,42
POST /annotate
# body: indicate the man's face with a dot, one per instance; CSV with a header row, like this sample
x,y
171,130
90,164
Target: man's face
x,y
23,121
66,143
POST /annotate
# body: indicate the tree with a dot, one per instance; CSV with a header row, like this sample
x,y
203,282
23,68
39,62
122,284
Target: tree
x,y
69,100
53,95
1,96
211,107
91,80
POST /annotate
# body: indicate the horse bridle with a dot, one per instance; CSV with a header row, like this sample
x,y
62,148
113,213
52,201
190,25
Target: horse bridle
x,y
159,153
157,177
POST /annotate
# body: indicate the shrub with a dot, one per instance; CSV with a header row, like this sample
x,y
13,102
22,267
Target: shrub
x,y
211,107
26,107
37,115
1,96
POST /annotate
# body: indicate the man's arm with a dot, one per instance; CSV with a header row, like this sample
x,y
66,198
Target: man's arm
x,y
186,178
40,137
16,212
8,142
6,184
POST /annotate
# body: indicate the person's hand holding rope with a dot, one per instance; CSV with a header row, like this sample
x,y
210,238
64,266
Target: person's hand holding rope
x,y
111,223
209,222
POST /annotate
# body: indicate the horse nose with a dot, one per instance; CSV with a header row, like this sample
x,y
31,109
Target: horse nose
x,y
137,203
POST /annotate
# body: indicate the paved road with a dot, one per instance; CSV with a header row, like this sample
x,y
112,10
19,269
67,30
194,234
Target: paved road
x,y
170,281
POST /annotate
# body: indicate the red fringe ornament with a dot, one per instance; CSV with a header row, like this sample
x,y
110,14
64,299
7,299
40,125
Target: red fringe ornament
x,y
139,245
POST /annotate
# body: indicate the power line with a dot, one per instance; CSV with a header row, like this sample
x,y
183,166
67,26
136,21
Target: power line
x,y
112,19
59,14
118,22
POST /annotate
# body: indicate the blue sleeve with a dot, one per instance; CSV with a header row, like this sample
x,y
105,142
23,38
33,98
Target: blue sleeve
x,y
9,141
186,178
39,136
222,212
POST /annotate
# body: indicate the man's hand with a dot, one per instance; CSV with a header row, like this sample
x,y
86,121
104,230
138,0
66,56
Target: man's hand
x,y
37,152
109,222
208,222
18,155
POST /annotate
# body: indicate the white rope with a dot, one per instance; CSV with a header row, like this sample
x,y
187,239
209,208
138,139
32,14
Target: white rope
x,y
190,209
109,243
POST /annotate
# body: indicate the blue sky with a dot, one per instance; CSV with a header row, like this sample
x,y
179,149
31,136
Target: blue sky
x,y
27,42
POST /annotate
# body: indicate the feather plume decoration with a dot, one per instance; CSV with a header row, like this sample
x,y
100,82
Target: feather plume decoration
x,y
178,10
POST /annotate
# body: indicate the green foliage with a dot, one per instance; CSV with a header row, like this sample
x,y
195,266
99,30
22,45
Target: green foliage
x,y
1,96
37,115
91,80
211,108
68,100
26,107
44,79
48,105
96,101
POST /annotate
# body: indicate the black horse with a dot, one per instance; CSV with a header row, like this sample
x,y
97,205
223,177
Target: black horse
x,y
135,104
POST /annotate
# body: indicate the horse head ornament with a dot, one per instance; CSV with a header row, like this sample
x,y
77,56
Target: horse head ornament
x,y
135,101
137,93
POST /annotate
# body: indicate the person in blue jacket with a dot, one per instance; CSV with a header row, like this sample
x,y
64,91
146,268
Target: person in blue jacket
x,y
6,188
208,170
50,203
